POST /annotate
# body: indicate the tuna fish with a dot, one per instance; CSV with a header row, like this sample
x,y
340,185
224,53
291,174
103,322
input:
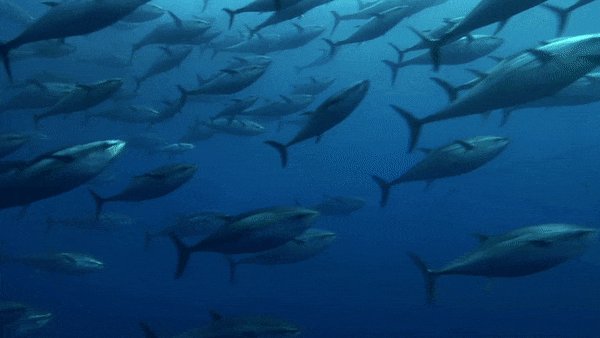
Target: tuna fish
x,y
520,252
435,33
81,98
172,58
145,13
306,246
313,86
457,158
172,108
128,114
63,262
323,59
251,232
525,77
339,205
55,173
174,149
461,51
12,12
37,95
197,224
47,49
378,7
197,132
374,28
329,114
107,222
486,13
288,13
259,6
9,143
173,33
238,127
276,110
70,18
236,107
153,184
231,80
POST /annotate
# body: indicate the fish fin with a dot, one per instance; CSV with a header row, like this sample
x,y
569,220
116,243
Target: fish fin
x,y
479,74
450,90
434,46
286,99
183,255
4,50
204,5
385,189
337,18
176,19
148,333
282,149
562,14
541,55
230,71
414,124
167,50
496,58
298,27
429,276
99,202
506,115
394,67
138,82
481,237
465,144
541,243
500,26
215,316
332,47
470,38
318,138
233,264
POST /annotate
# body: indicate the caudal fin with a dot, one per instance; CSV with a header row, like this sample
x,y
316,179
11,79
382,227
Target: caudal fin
x,y
434,46
282,150
183,255
395,66
231,14
337,18
332,47
429,276
414,124
99,202
385,189
4,50
562,15
232,268
148,333
450,90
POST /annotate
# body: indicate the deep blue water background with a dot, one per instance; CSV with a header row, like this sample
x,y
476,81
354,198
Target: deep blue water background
x,y
364,285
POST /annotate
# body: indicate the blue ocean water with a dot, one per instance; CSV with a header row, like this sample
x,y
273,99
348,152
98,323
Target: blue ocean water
x,y
364,285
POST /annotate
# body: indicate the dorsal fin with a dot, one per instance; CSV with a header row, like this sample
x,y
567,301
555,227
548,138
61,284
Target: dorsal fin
x,y
286,99
298,27
176,19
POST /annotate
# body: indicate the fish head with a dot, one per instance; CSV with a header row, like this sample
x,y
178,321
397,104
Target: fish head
x,y
83,263
185,170
492,144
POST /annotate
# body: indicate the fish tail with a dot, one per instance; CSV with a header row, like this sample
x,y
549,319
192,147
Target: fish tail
x,y
233,264
183,255
562,15
148,333
183,94
434,46
414,124
138,83
282,149
231,14
385,187
429,276
337,19
99,202
395,66
4,50
332,47
204,5
450,90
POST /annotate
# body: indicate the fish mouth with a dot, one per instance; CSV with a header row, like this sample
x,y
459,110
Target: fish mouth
x,y
115,147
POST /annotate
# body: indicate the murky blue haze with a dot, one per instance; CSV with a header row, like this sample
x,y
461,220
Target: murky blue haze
x,y
364,285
